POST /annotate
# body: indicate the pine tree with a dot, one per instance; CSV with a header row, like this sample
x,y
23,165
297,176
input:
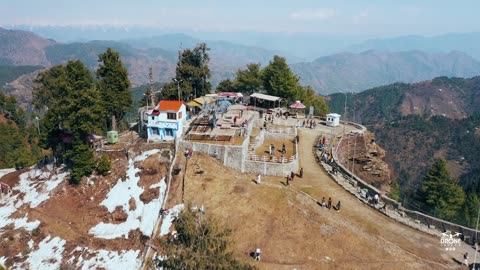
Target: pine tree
x,y
83,162
201,244
395,191
279,80
225,86
193,72
470,210
249,80
441,193
104,165
72,106
114,85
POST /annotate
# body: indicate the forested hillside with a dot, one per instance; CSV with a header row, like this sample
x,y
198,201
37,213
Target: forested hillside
x,y
19,139
420,123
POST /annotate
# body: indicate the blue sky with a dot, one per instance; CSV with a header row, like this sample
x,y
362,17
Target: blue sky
x,y
374,17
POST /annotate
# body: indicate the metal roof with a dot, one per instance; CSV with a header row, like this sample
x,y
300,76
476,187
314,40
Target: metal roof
x,y
265,97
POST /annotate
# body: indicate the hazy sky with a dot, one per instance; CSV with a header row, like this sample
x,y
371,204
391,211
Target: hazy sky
x,y
374,17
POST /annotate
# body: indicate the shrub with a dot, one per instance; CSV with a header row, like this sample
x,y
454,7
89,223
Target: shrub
x,y
104,165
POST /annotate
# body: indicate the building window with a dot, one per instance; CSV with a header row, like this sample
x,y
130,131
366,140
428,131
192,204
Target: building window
x,y
156,131
153,117
168,132
171,116
179,115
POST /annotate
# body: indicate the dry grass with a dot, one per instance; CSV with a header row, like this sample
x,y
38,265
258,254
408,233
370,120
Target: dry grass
x,y
289,227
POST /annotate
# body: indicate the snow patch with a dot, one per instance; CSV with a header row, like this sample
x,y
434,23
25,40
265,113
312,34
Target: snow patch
x,y
125,259
48,255
23,223
37,191
146,154
143,217
34,193
159,184
168,219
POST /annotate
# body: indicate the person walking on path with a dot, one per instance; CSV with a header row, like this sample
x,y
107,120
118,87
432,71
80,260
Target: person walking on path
x,y
270,149
288,180
329,205
259,179
324,204
465,259
339,205
283,149
292,175
301,173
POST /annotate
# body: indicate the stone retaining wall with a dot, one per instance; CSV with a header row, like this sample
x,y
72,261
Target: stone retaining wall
x,y
395,210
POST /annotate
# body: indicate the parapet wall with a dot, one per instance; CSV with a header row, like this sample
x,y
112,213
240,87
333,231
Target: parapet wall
x,y
236,157
395,210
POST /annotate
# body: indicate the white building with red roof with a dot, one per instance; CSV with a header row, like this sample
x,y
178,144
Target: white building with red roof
x,y
165,122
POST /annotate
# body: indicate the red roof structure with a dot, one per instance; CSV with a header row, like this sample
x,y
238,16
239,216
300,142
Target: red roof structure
x,y
170,105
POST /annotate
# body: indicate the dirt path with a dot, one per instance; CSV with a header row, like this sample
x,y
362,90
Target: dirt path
x,y
296,233
318,184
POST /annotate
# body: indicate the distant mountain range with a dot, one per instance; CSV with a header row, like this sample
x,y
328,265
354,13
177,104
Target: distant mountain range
x,y
465,42
343,71
359,71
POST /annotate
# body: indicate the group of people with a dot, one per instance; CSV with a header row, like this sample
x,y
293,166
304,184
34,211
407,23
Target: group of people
x,y
271,149
328,204
292,175
309,123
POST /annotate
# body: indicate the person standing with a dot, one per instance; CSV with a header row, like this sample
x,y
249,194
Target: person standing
x,y
329,205
258,252
283,149
259,179
465,259
301,173
376,199
292,175
270,149
324,204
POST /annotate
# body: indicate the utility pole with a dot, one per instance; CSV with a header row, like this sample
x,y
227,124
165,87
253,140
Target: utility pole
x,y
178,87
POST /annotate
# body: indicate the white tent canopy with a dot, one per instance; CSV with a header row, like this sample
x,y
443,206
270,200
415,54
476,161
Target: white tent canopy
x,y
265,97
